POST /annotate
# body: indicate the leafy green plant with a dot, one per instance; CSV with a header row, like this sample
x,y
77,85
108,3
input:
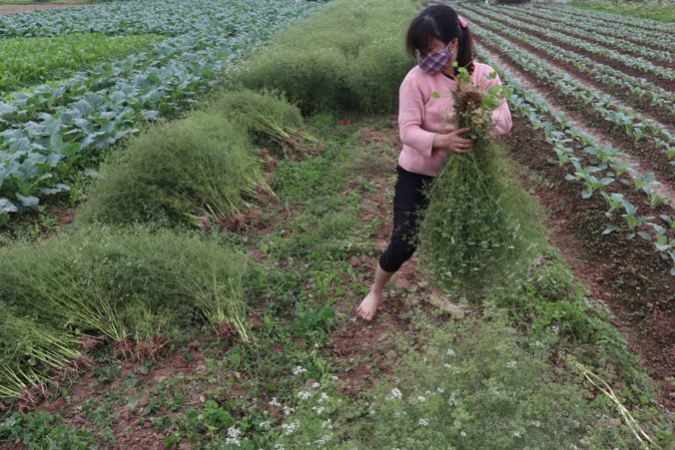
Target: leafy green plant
x,y
31,60
43,431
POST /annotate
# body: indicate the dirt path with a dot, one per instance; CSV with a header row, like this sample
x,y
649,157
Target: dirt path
x,y
17,9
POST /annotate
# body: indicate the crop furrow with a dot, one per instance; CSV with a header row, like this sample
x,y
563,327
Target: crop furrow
x,y
651,141
598,31
640,65
640,93
631,23
598,169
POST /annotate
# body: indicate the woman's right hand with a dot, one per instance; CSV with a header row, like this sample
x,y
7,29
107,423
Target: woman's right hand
x,y
453,141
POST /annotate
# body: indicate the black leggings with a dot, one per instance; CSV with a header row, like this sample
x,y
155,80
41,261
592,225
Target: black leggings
x,y
409,202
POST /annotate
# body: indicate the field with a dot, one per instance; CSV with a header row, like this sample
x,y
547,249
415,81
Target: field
x,y
193,197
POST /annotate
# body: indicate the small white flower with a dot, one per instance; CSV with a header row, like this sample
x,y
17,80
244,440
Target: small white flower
x,y
304,395
516,434
452,400
511,364
395,394
278,447
315,384
265,424
538,344
323,397
334,377
451,352
423,422
318,409
440,390
446,365
462,433
233,436
288,410
297,370
274,402
536,423
289,428
421,398
327,424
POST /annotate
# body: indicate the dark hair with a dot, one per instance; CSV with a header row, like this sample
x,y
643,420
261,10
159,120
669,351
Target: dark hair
x,y
439,22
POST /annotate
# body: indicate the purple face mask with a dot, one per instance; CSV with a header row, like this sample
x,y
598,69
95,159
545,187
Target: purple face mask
x,y
434,62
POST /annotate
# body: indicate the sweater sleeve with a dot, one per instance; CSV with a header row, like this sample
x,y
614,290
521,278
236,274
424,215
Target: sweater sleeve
x,y
501,117
410,114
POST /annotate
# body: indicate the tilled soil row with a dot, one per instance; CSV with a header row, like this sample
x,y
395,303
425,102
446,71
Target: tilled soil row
x,y
590,38
538,13
641,104
665,84
622,21
626,274
652,157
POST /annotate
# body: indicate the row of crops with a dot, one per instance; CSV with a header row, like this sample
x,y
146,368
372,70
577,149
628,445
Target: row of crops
x,y
51,133
634,204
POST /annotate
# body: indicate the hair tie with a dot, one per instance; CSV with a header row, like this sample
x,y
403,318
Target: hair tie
x,y
462,22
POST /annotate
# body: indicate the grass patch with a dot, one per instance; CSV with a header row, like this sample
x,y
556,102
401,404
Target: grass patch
x,y
200,165
26,61
659,10
350,55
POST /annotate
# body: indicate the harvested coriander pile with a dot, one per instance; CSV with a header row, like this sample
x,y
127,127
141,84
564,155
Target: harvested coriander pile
x,y
473,232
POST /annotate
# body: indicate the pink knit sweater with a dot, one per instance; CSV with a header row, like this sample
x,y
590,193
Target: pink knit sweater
x,y
420,116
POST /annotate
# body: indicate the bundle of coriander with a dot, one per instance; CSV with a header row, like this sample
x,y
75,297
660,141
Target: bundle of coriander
x,y
476,226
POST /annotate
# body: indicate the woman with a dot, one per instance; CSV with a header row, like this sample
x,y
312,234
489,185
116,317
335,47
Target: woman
x,y
436,37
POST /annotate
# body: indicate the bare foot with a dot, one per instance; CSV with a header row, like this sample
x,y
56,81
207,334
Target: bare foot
x,y
368,306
